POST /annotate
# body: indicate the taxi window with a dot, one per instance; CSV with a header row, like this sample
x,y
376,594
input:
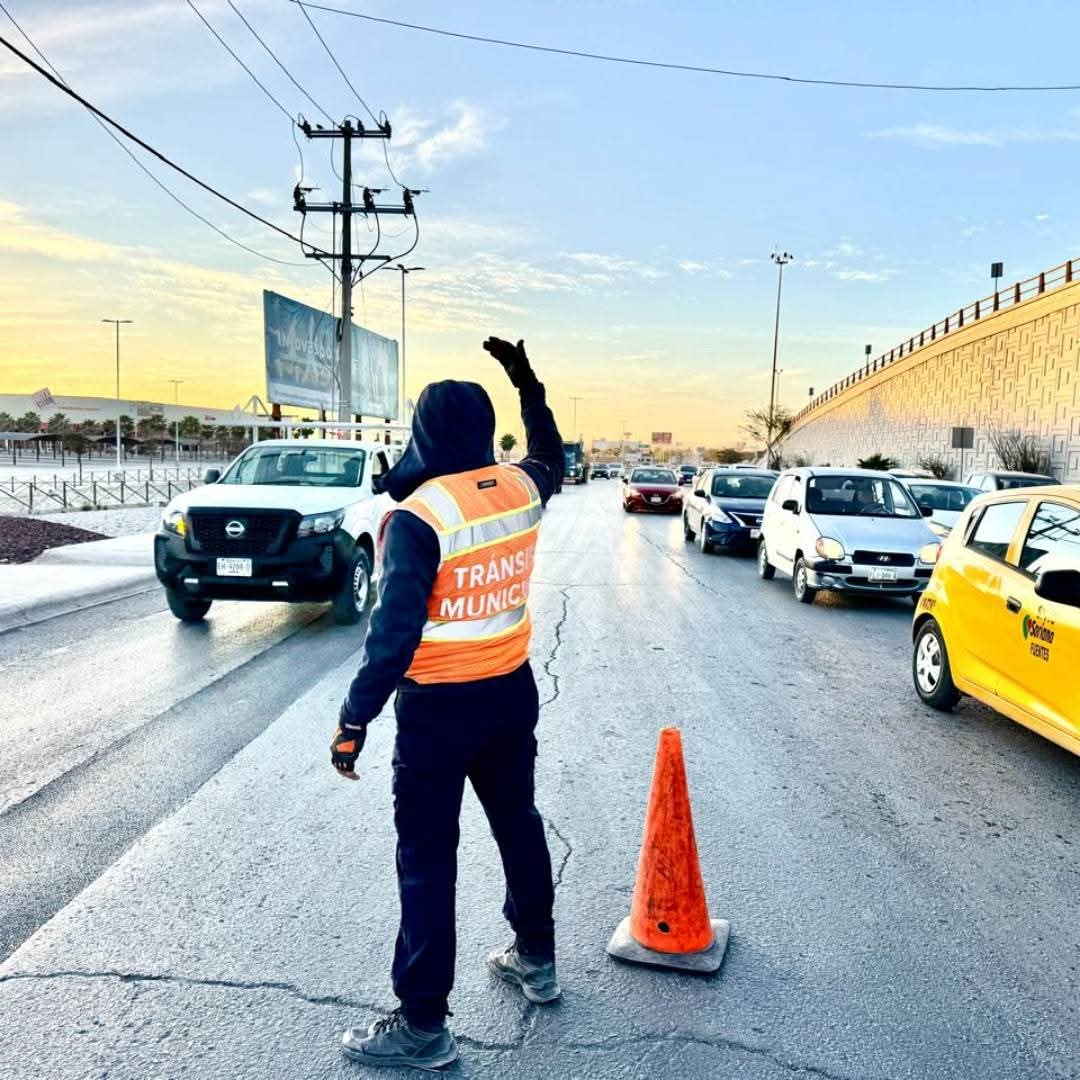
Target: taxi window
x,y
996,528
1053,539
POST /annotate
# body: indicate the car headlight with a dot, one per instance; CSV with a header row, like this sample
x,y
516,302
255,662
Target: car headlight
x,y
717,516
173,521
930,553
828,548
314,524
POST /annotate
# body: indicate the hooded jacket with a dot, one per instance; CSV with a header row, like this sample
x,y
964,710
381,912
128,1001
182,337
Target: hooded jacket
x,y
453,431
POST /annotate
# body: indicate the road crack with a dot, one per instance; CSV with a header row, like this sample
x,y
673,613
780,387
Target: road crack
x,y
554,654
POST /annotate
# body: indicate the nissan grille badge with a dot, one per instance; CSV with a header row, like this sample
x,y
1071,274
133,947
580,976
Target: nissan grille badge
x,y
234,529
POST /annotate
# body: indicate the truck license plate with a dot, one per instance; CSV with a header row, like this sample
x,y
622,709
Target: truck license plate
x,y
881,573
234,568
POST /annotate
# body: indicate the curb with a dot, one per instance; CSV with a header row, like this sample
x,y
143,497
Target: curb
x,y
17,617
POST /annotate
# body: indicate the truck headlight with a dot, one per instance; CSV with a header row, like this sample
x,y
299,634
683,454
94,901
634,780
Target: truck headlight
x,y
314,524
173,521
930,553
828,548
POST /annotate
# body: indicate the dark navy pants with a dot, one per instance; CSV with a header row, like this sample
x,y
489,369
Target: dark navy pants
x,y
483,732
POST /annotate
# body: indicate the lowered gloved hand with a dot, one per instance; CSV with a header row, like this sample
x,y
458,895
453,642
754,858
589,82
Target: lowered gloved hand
x,y
345,749
513,359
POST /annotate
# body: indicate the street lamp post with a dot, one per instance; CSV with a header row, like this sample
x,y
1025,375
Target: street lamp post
x,y
176,401
403,270
575,400
781,258
117,323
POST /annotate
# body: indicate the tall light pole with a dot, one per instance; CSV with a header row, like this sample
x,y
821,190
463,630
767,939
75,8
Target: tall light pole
x,y
403,270
117,323
176,401
575,400
781,258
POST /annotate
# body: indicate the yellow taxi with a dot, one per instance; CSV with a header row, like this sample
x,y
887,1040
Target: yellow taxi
x,y
1000,619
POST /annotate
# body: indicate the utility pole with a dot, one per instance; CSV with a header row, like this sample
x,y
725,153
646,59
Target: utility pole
x,y
575,400
176,397
117,323
404,270
781,258
347,208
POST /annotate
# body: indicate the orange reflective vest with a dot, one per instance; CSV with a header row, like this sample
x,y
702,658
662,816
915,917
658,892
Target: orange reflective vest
x,y
478,624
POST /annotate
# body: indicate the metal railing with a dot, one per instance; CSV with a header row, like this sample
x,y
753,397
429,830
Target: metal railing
x,y
1010,296
44,496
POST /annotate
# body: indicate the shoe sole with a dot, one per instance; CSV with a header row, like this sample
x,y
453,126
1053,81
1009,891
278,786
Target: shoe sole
x,y
535,996
427,1065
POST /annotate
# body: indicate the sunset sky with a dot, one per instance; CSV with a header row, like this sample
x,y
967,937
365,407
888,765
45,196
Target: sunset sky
x,y
618,218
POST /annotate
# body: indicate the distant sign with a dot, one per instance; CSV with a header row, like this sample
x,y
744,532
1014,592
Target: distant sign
x,y
42,399
963,438
302,361
661,438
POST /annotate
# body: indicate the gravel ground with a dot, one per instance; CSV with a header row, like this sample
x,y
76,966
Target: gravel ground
x,y
23,539
120,522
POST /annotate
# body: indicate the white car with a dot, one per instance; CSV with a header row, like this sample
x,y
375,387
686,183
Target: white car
x,y
848,530
946,498
290,519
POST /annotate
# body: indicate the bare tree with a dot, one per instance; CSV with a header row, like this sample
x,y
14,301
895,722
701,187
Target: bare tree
x,y
1018,452
768,427
936,466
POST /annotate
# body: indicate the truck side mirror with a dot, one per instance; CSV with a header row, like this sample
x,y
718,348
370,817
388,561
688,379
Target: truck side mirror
x,y
211,476
1059,587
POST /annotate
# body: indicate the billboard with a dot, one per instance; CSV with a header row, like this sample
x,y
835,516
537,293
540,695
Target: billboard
x,y
661,438
302,359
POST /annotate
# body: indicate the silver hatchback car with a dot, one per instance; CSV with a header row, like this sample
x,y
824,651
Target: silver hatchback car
x,y
848,530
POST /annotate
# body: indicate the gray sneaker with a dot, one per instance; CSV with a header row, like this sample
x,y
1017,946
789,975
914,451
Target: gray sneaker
x,y
394,1043
537,979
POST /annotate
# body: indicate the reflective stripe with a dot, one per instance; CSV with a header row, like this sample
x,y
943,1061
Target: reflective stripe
x,y
475,536
476,629
442,504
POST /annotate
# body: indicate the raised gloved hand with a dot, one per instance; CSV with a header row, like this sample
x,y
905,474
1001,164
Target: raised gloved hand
x,y
345,749
513,359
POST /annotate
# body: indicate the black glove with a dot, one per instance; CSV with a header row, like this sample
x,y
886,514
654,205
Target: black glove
x,y
514,361
345,749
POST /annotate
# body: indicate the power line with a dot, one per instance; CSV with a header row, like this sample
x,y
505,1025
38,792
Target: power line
x,y
730,73
225,45
127,150
64,88
273,56
341,70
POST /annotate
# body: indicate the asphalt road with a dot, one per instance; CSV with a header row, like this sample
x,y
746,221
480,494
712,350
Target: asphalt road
x,y
902,885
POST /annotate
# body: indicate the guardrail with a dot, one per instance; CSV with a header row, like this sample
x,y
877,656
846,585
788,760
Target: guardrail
x,y
39,496
111,475
1010,296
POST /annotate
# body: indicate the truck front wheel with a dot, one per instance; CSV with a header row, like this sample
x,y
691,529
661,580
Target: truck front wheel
x,y
351,599
185,607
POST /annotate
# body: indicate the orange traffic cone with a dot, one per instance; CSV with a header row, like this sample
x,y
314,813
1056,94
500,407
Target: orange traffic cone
x,y
669,922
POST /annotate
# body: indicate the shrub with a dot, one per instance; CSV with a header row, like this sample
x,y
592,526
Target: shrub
x,y
1018,452
878,462
936,466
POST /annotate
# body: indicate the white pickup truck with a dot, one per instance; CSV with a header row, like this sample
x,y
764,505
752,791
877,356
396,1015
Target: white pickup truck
x,y
289,519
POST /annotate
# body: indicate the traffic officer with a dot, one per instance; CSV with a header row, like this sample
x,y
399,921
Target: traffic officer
x,y
450,632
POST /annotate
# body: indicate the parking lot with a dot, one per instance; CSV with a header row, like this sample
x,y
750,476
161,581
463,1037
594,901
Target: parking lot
x,y
186,887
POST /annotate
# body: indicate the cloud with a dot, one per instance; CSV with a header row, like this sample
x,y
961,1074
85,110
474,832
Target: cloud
x,y
616,266
689,266
863,275
941,135
1042,218
265,197
426,144
844,250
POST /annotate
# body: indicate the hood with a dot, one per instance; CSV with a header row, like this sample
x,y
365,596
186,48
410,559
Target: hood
x,y
304,500
453,431
738,502
875,533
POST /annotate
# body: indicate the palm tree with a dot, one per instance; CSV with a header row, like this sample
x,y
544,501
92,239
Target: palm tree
x,y
127,427
58,423
7,422
30,423
507,443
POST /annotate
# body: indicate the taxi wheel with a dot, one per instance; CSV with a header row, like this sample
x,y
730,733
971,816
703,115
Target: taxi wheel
x,y
930,668
688,533
766,570
351,598
804,593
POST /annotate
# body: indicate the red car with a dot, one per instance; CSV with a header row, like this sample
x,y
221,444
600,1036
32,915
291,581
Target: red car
x,y
648,488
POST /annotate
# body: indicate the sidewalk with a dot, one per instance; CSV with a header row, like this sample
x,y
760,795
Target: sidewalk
x,y
75,576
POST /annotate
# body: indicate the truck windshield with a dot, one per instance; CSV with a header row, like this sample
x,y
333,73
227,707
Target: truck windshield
x,y
299,466
870,496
